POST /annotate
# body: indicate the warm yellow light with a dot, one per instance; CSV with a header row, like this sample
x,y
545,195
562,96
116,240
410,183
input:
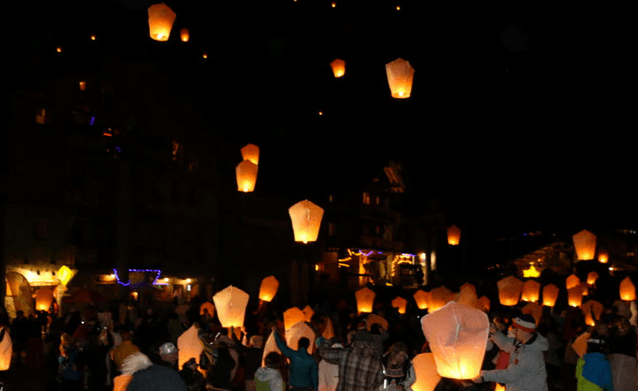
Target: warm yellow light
x,y
400,304
58,49
572,281
250,152
205,55
230,305
338,67
82,85
400,74
550,295
188,280
531,272
531,291
603,256
509,290
160,21
268,288
246,173
627,290
184,34
93,37
306,221
365,300
65,274
592,277
585,245
334,4
575,296
453,235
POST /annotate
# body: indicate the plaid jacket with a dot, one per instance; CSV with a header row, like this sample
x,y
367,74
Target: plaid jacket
x,y
360,368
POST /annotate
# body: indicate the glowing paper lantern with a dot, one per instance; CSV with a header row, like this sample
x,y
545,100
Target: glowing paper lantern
x,y
531,291
246,173
292,316
509,290
230,305
365,299
43,299
550,295
65,274
306,221
207,307
308,312
400,74
572,281
338,67
603,256
298,331
580,344
483,303
189,346
439,297
184,34
534,309
575,296
453,235
425,370
467,295
400,304
329,330
269,346
160,21
250,152
380,320
421,299
592,310
6,349
457,335
268,288
627,290
585,245
592,277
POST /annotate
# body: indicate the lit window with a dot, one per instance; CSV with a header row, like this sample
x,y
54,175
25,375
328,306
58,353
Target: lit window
x,y
366,198
378,200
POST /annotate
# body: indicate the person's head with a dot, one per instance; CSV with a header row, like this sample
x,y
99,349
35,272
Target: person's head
x,y
273,360
303,343
168,353
523,327
596,343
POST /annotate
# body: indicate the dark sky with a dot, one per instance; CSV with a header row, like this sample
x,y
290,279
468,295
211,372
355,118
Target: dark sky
x,y
520,114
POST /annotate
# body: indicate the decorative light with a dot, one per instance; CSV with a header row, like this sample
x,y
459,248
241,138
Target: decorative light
x,y
230,305
531,272
250,152
137,285
550,295
184,34
292,316
306,221
457,335
160,21
439,297
400,74
585,245
338,67
627,290
246,173
365,300
268,288
43,299
453,235
592,310
592,277
65,274
531,291
509,290
575,296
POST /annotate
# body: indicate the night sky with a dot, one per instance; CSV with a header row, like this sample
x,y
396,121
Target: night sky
x,y
520,115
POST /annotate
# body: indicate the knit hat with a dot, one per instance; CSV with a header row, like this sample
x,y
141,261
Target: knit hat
x,y
167,348
525,322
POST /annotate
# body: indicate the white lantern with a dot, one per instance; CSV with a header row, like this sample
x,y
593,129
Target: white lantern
x,y
306,221
160,21
246,173
400,74
585,244
250,152
230,305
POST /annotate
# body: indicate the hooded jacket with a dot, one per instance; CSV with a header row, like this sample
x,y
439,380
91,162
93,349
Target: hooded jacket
x,y
271,376
593,372
526,368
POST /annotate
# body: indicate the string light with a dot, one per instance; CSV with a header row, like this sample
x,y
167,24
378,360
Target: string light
x,y
137,285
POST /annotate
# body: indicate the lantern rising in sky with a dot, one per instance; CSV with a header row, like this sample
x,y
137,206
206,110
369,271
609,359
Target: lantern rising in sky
x,y
246,173
585,245
184,34
531,291
268,288
575,296
230,305
365,300
400,74
160,21
453,235
306,221
338,67
627,290
550,295
250,152
509,290
421,299
603,256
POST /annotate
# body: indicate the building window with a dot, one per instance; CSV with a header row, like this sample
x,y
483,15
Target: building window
x,y
377,200
366,198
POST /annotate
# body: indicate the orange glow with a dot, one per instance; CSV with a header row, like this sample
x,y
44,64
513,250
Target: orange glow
x,y
400,304
453,235
292,316
82,85
509,290
338,67
400,74
246,173
365,300
250,152
585,245
58,49
160,21
575,296
603,256
425,369
550,295
93,38
627,290
592,277
572,281
230,305
184,34
306,221
592,310
531,291
421,299
268,288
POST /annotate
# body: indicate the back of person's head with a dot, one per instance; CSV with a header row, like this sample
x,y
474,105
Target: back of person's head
x,y
273,360
596,343
375,328
303,343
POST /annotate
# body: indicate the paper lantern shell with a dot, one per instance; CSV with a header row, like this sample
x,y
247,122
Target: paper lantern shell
x,y
365,300
160,21
592,310
457,335
534,309
453,235
230,305
627,290
400,74
572,281
575,296
268,288
6,350
592,277
550,295
509,290
467,295
585,245
269,346
298,331
189,346
580,344
483,303
421,299
43,299
531,291
184,34
338,67
246,173
373,318
292,316
329,330
439,297
306,221
207,307
425,370
400,304
250,152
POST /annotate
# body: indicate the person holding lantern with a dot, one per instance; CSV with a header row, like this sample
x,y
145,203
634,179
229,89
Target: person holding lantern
x,y
526,368
304,369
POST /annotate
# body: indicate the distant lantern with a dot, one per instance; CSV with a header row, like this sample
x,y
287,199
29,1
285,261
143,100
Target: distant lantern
x,y
268,288
531,291
421,299
338,67
43,299
306,221
160,21
400,304
534,309
585,244
425,371
246,173
483,303
592,310
207,306
365,300
591,278
250,152
292,316
298,331
603,256
230,305
82,85
184,34
65,274
453,235
439,297
509,290
627,290
400,74
467,295
457,336
308,313
572,281
550,295
575,296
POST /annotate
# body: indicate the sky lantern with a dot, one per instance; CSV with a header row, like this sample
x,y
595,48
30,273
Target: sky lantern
x,y
483,303
268,288
585,245
580,344
329,331
306,221
400,304
189,346
65,274
230,305
43,299
627,290
467,295
603,256
591,278
453,235
6,351
160,21
531,291
550,295
246,173
439,297
250,152
575,296
425,370
421,299
207,306
270,346
338,67
457,335
534,309
400,74
292,316
365,299
374,318
592,310
572,281
509,290
298,331
184,34
308,312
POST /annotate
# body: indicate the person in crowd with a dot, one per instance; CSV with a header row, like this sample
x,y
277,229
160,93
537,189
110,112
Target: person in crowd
x,y
192,377
252,357
304,371
20,335
329,373
70,366
360,367
593,370
379,337
124,349
140,374
268,377
219,375
526,368
398,373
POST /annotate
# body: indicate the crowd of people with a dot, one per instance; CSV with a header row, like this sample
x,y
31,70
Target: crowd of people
x,y
134,346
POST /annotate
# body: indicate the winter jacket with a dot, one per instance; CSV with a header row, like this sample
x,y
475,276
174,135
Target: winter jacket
x,y
145,376
624,370
593,373
304,370
526,368
268,379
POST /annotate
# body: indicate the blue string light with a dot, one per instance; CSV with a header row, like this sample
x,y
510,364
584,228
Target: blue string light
x,y
137,285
